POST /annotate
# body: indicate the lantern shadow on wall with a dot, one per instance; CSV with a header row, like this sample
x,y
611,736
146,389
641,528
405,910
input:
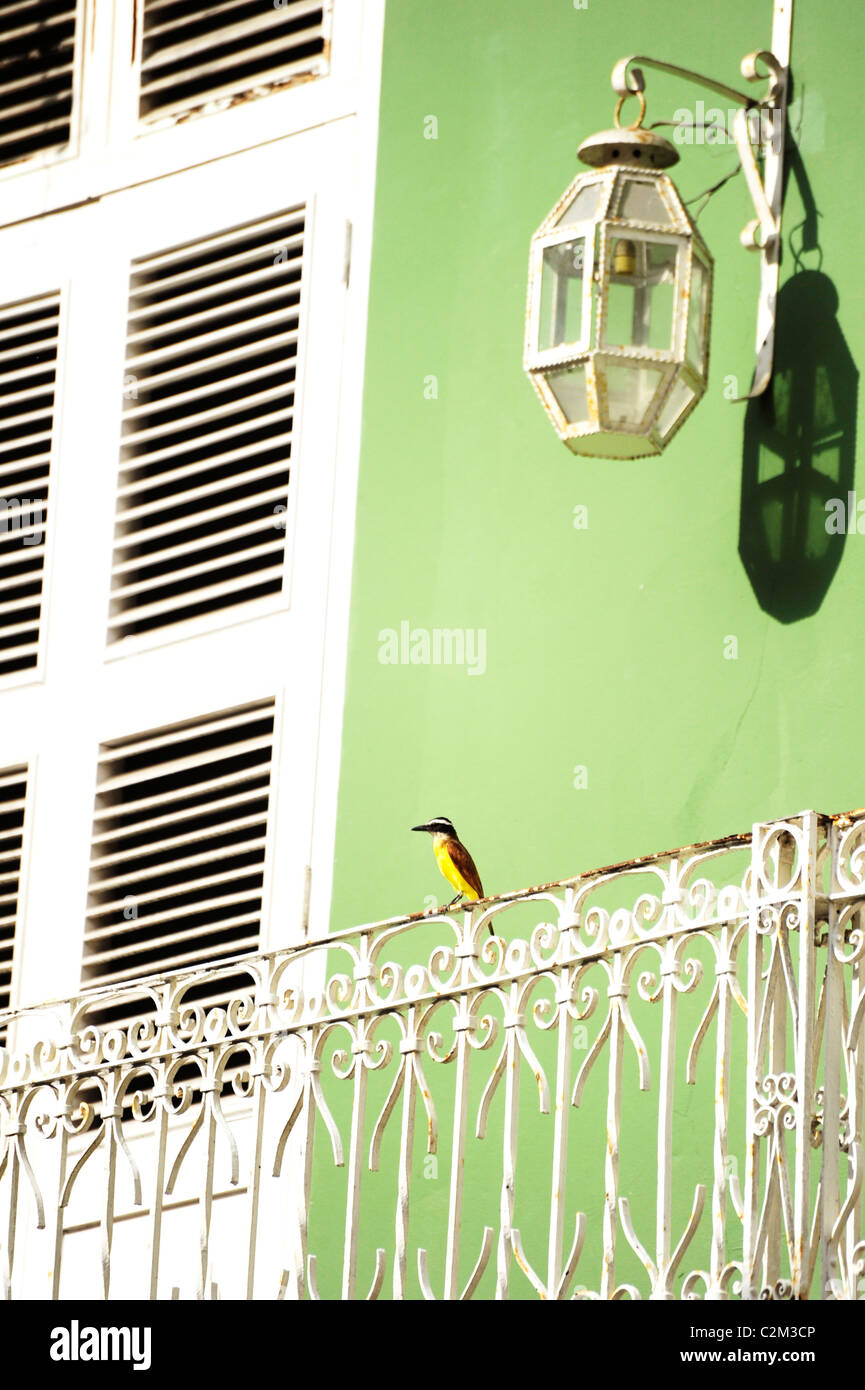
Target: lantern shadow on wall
x,y
799,441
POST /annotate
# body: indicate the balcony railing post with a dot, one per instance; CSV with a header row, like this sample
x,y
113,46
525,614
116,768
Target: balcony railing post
x,y
842,1248
806,1056
831,1090
561,1112
781,1005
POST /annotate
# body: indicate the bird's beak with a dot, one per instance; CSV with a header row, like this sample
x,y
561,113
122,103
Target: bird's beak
x,y
420,827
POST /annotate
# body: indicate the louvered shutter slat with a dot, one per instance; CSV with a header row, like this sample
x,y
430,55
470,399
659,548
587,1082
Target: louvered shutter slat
x,y
32,107
193,571
208,592
208,361
189,470
34,554
19,346
166,798
216,91
259,400
181,764
181,524
32,393
7,444
217,65
26,313
174,894
29,417
202,341
213,460
149,457
36,78
194,837
23,509
26,650
173,276
63,68
15,350
186,959
11,474
193,60
179,736
15,628
177,818
235,536
180,942
202,491
260,23
40,22
221,246
182,795
201,316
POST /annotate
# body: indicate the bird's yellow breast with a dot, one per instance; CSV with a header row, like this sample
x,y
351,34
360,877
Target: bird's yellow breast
x,y
449,868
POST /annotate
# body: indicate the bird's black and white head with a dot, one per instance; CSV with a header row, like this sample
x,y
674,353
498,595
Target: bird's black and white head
x,y
440,825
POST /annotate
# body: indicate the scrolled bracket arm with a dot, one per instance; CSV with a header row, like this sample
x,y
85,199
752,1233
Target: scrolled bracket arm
x,y
763,233
629,81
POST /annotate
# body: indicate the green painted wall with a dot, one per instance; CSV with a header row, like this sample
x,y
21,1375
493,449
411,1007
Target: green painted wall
x,y
605,647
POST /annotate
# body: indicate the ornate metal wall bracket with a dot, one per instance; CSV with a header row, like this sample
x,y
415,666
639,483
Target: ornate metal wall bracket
x,y
763,233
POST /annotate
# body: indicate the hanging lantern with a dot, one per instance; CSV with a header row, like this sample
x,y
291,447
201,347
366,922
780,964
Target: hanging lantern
x,y
620,286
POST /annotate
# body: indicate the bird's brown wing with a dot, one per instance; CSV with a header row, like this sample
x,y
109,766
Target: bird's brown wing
x,y
466,865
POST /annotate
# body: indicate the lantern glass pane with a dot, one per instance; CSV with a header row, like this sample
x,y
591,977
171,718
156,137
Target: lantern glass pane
x,y
677,403
562,272
631,390
642,293
696,348
642,202
583,207
569,389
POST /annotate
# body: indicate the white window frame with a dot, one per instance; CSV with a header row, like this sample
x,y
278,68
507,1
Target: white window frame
x,y
201,211
56,724
92,693
113,149
44,161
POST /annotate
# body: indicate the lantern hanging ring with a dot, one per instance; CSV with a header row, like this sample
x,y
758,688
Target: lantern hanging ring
x,y
635,125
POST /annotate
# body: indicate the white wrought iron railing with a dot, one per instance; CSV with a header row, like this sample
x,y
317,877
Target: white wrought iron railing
x,y
647,1083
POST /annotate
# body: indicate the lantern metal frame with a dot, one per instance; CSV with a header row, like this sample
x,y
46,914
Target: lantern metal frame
x,y
599,434
633,151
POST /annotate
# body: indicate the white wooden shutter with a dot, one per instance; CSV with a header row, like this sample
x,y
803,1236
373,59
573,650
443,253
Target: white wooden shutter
x,y
28,365
209,405
207,57
178,856
37,53
13,796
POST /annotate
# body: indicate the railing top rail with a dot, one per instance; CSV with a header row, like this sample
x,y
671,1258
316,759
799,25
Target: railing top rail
x,y
526,894
309,945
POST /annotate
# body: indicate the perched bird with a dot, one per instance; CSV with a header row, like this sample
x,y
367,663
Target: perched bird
x,y
454,861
